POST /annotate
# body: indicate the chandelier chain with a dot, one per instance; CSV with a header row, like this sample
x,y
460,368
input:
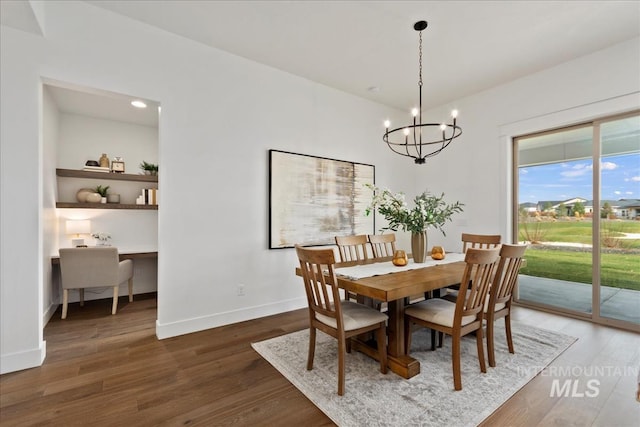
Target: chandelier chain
x,y
420,61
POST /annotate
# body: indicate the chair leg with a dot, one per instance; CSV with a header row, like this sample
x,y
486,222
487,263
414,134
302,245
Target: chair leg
x,y
507,328
81,291
433,340
342,354
65,302
455,360
440,339
479,339
382,348
312,348
131,290
115,300
490,346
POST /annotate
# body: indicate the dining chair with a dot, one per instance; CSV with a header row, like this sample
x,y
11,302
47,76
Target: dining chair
x,y
478,241
96,267
498,302
481,241
383,245
462,317
339,319
352,248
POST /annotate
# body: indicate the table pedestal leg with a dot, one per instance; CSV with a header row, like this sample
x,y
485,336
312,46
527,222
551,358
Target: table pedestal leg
x,y
398,361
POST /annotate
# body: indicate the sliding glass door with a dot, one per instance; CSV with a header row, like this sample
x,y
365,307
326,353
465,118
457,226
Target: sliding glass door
x,y
619,257
578,188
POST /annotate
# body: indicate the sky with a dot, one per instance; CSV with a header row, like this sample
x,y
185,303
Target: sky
x,y
566,180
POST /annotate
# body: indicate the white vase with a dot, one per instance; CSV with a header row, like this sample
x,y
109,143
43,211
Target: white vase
x,y
94,198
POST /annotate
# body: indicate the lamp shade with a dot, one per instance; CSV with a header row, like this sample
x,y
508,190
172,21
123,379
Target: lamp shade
x,y
78,226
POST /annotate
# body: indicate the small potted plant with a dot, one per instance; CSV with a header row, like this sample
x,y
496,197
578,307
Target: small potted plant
x,y
102,191
149,168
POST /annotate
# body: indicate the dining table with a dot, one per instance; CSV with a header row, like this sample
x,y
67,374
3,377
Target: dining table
x,y
380,280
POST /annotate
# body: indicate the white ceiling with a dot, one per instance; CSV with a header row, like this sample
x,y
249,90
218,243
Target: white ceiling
x,y
469,46
102,104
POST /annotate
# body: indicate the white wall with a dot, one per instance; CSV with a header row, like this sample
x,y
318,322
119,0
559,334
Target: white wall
x,y
85,138
220,115
50,227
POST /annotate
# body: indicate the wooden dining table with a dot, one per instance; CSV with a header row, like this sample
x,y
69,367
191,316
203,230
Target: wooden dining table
x,y
394,288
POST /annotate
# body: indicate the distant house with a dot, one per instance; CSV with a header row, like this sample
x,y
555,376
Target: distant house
x,y
629,209
623,208
528,207
562,207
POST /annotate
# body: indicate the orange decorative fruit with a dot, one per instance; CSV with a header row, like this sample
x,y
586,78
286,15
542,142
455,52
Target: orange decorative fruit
x,y
400,258
437,253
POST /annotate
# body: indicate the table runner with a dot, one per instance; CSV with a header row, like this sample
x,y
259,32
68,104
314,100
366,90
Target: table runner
x,y
367,270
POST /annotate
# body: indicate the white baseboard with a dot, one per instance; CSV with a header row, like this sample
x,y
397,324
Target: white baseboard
x,y
48,314
188,326
23,360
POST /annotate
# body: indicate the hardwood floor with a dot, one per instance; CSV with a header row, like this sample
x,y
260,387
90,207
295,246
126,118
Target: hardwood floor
x,y
111,370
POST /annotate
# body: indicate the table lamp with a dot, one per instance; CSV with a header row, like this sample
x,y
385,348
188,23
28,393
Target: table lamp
x,y
78,227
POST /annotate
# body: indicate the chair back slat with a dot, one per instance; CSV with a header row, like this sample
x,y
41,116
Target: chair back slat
x,y
383,245
320,282
506,276
353,248
475,282
480,241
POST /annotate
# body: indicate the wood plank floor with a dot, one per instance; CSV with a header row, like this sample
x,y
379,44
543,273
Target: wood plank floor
x,y
111,370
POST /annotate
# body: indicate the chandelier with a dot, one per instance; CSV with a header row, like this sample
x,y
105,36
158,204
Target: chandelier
x,y
421,140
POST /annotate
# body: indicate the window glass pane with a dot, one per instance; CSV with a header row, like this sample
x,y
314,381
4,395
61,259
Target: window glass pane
x,y
620,220
555,192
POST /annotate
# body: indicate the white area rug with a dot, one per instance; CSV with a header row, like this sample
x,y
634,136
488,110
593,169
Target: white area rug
x,y
428,399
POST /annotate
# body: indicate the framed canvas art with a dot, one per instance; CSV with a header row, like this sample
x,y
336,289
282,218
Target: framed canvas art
x,y
313,199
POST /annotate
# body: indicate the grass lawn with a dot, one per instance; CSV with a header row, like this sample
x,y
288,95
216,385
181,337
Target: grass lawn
x,y
620,269
580,231
617,270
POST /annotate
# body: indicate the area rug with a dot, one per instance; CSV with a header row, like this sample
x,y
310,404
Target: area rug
x,y
428,399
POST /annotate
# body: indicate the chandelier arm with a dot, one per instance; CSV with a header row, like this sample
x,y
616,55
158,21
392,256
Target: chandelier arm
x,y
401,153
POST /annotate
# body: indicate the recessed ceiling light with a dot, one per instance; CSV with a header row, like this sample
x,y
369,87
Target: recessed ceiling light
x,y
138,104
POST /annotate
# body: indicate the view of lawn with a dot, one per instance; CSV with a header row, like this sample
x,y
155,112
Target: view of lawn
x,y
572,231
619,268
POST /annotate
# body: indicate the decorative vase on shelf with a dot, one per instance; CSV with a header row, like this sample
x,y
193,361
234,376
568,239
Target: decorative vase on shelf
x,y
113,198
82,193
104,161
419,247
94,198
